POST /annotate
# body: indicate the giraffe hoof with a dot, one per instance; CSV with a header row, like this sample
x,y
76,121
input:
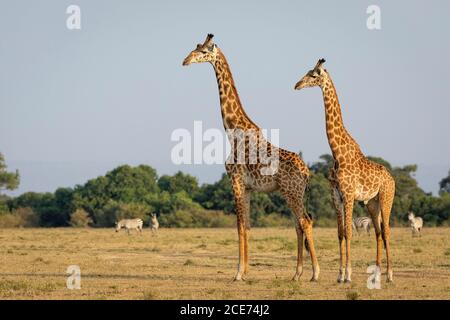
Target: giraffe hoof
x,y
390,276
340,280
239,277
314,279
297,276
348,280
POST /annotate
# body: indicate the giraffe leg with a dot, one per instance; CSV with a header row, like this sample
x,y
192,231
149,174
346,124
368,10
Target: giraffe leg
x,y
246,238
241,196
307,226
340,222
240,270
374,209
348,206
294,201
299,270
386,199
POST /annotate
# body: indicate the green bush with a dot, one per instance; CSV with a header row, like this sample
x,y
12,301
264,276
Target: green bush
x,y
199,218
325,223
114,211
273,220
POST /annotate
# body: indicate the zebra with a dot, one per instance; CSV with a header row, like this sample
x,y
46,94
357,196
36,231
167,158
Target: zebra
x,y
361,223
129,224
154,224
416,224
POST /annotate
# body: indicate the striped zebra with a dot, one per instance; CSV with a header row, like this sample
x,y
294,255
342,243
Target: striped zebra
x,y
129,224
154,224
362,223
416,223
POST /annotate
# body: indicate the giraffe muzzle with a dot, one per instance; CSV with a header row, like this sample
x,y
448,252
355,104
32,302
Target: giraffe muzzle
x,y
187,61
299,85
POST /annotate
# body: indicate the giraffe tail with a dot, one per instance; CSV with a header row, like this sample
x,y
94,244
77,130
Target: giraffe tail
x,y
306,245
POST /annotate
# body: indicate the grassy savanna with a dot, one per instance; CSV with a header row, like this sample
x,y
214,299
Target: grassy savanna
x,y
200,264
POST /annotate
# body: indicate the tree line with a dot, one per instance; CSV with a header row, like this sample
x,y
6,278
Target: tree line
x,y
180,201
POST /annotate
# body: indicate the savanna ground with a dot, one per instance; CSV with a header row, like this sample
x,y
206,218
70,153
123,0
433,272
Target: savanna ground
x,y
200,264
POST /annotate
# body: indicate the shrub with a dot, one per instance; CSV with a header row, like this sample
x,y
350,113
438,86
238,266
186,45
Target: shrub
x,y
21,217
115,211
9,221
28,218
325,223
80,219
273,220
199,218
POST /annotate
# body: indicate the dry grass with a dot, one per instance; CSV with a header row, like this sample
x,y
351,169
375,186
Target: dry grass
x,y
200,264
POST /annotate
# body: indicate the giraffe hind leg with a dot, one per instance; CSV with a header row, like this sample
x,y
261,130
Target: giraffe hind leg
x,y
348,207
375,212
294,200
338,206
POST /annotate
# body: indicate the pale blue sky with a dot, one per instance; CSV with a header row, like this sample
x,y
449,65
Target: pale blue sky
x,y
74,104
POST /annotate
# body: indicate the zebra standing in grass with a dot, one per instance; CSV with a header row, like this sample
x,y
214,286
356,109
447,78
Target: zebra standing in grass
x,y
154,224
416,223
129,224
362,223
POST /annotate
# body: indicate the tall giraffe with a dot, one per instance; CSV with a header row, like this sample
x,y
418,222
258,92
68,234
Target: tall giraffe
x,y
353,176
290,176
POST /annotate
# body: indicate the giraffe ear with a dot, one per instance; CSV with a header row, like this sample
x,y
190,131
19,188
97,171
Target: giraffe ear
x,y
211,48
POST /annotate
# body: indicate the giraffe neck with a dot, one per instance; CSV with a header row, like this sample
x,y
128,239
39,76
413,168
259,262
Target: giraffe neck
x,y
233,114
338,137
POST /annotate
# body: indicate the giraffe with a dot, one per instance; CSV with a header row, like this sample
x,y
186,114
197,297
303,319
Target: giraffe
x,y
352,177
290,176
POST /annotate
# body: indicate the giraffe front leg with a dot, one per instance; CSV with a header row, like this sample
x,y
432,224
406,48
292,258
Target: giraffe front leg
x,y
386,199
341,233
241,263
242,200
246,238
299,270
348,207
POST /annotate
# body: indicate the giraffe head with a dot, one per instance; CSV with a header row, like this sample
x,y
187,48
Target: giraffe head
x,y
314,78
206,52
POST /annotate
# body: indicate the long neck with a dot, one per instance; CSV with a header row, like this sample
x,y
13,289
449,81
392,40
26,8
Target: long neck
x,y
233,114
338,137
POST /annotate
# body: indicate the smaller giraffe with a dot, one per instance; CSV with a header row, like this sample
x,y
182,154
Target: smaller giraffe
x,y
353,176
